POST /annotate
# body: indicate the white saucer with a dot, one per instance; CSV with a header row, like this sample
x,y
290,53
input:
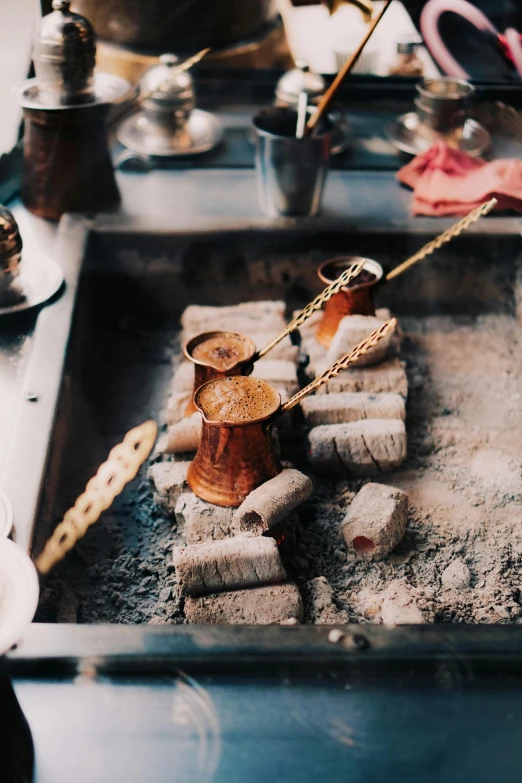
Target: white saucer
x,y
40,278
19,593
409,135
6,515
202,133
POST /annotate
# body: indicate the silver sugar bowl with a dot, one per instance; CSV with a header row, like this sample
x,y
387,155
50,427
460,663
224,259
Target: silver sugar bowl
x,y
10,251
167,95
64,58
299,79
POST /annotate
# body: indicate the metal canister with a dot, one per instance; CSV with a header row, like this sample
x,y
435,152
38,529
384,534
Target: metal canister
x,y
64,57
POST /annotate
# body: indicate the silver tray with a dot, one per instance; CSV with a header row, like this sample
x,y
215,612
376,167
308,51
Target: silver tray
x,y
409,135
202,133
40,278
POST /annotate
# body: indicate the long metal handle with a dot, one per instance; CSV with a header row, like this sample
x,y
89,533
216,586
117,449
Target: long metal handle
x,y
343,363
347,276
123,463
444,238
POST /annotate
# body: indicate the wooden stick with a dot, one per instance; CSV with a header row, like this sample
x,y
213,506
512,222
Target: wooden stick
x,y
325,101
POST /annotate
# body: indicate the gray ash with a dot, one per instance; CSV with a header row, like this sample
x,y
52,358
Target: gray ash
x,y
462,475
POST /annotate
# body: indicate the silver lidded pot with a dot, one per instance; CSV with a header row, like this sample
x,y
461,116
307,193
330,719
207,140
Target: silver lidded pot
x,y
299,79
10,251
167,94
64,58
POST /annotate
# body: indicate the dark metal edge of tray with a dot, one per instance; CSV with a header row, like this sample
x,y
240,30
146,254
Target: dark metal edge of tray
x,y
116,649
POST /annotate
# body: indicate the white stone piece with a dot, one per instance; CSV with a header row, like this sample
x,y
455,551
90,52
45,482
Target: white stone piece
x,y
375,521
231,563
283,350
176,406
281,374
257,606
183,378
352,330
182,437
389,376
359,448
245,318
351,406
404,604
456,576
203,521
170,481
272,502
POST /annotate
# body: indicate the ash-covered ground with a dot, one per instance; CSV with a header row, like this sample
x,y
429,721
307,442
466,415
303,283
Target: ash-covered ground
x,y
462,475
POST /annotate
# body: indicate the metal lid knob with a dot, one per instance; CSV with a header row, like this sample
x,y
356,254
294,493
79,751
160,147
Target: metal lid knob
x,y
299,79
64,57
10,247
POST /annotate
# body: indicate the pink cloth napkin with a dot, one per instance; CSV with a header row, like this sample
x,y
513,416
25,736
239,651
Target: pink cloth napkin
x,y
446,181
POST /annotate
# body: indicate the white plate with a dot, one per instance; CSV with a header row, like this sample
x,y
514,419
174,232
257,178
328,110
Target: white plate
x,y
19,592
40,278
6,515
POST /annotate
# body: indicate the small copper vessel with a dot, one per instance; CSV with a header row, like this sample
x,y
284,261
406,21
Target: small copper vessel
x,y
218,355
235,457
351,300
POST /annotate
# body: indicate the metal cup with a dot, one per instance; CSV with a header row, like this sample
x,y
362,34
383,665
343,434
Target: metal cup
x,y
443,103
291,172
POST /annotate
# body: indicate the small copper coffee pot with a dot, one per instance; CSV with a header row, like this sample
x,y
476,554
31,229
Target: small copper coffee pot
x,y
356,299
236,452
218,355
